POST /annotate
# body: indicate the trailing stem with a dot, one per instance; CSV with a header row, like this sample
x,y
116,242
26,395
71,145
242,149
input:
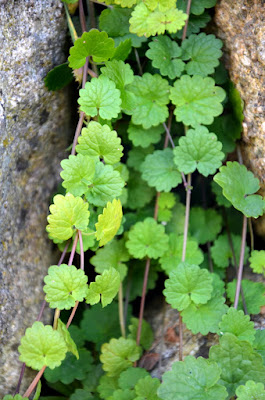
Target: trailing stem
x,y
241,261
121,312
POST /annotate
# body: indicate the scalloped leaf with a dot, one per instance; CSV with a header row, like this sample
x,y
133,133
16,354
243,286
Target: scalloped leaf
x,y
199,149
131,376
109,222
259,343
16,397
253,294
137,155
257,261
67,214
41,346
118,355
107,385
147,336
238,324
251,390
146,388
120,394
64,285
197,100
105,287
144,137
221,251
71,346
139,193
204,224
197,6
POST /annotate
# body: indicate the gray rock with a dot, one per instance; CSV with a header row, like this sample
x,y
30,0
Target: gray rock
x,y
34,127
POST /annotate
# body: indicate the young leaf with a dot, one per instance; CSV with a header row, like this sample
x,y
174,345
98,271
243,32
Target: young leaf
x,y
159,171
107,184
147,239
165,54
95,44
203,51
172,258
147,336
99,141
192,379
146,388
259,343
41,346
198,149
253,294
118,355
139,193
188,284
257,261
204,224
109,222
66,336
126,3
251,390
238,324
64,286
152,94
100,97
58,77
197,100
71,368
67,214
131,376
222,253
238,186
78,172
144,137
105,288
238,362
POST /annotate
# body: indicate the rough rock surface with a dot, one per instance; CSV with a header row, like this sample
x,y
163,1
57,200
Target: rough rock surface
x,y
34,131
241,26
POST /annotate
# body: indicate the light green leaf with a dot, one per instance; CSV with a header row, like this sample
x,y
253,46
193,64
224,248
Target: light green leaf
x,y
100,97
122,395
71,346
105,287
198,149
152,95
204,224
131,376
147,336
192,379
251,390
58,77
95,44
197,100
222,253
188,284
165,54
146,388
126,3
147,239
78,172
107,184
166,202
238,361
41,346
118,355
238,324
107,385
99,141
159,170
203,51
109,222
123,50
16,397
257,261
64,286
173,256
144,137
67,214
238,186
253,294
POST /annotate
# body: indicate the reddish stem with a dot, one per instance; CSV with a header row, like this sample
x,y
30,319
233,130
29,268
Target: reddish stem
x,y
187,20
82,16
82,262
77,131
70,262
72,314
34,382
241,261
187,215
141,313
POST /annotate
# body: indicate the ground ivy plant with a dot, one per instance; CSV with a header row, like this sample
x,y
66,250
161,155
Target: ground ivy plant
x,y
149,190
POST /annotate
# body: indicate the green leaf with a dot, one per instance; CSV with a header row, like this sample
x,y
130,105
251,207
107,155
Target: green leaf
x,y
204,224
64,286
131,376
126,3
41,346
67,214
238,362
107,184
58,77
166,202
251,390
198,149
123,50
99,141
176,223
122,395
118,355
152,95
197,100
77,335
147,239
173,256
135,279
71,346
109,222
37,392
238,324
82,394
188,284
253,294
159,170
144,137
165,54
95,44
16,397
259,343
237,103
257,261
137,155
221,251
71,368
227,130
203,51
78,172
100,97
220,199
107,385
197,6
105,288
147,336
146,388
115,21
139,193
238,186
196,22
192,379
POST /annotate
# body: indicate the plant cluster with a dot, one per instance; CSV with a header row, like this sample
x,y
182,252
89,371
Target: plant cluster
x,y
156,79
